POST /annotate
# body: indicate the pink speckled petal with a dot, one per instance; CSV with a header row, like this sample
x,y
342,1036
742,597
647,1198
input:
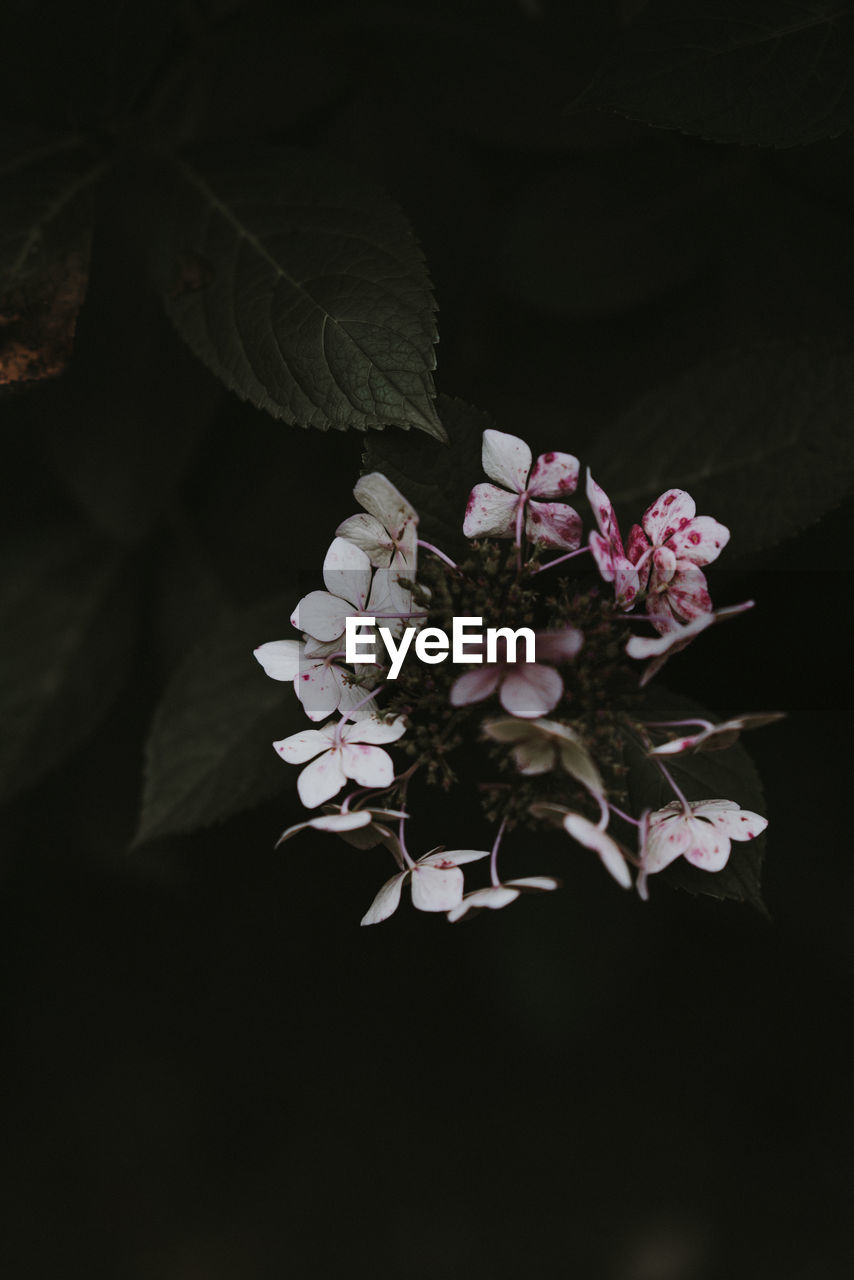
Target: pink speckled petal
x,y
369,766
387,900
474,686
688,594
708,847
531,690
637,545
737,824
321,780
553,525
666,841
603,513
603,554
436,888
506,459
554,475
700,541
626,583
669,513
490,513
318,690
280,658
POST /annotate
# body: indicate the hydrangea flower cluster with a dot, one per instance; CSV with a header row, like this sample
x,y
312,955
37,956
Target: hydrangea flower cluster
x,y
553,732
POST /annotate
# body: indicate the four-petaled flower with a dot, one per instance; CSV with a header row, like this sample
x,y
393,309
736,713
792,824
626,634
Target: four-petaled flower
x,y
388,532
338,752
436,884
525,689
678,542
352,590
504,512
700,834
320,682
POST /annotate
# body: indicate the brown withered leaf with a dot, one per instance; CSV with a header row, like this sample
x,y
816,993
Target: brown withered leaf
x,y
37,326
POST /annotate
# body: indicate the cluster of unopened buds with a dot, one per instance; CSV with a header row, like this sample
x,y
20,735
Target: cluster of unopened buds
x,y
553,728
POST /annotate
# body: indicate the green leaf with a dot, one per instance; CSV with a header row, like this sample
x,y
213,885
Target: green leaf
x,y
209,752
46,188
437,479
66,648
705,775
769,72
761,439
303,290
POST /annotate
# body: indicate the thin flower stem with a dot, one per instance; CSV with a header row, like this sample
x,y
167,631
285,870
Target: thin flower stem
x,y
401,829
493,857
428,546
625,816
686,807
373,693
520,514
560,560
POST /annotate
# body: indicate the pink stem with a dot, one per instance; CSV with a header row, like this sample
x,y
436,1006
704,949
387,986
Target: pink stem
x,y
493,857
428,546
686,807
561,560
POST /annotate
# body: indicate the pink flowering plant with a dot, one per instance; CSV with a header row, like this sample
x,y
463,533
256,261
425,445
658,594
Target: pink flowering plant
x,y
566,735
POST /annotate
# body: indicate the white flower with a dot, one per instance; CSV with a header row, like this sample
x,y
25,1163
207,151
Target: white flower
x,y
388,533
436,883
701,836
338,752
352,590
679,541
716,737
624,567
500,895
494,512
362,828
321,684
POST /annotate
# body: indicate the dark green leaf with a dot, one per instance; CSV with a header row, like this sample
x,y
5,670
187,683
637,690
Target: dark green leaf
x,y
209,752
772,72
762,440
302,289
706,775
46,187
436,478
66,648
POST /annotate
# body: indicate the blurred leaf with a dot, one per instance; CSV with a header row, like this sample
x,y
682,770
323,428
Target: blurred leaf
x,y
122,427
762,440
437,479
772,72
67,644
46,187
302,289
209,752
706,775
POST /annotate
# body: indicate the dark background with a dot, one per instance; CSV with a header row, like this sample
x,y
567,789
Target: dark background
x,y
212,1072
